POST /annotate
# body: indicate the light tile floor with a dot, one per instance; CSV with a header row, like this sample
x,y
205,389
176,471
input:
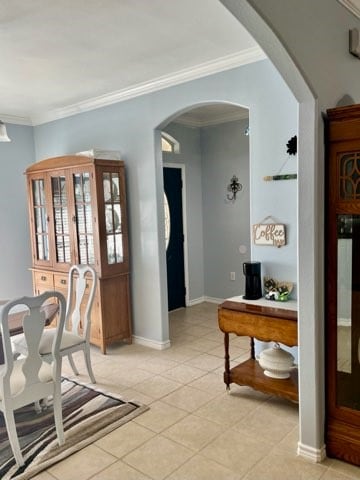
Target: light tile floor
x,y
194,429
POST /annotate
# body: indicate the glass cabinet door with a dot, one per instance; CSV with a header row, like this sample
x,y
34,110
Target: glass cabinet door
x,y
40,216
348,311
83,216
61,219
113,218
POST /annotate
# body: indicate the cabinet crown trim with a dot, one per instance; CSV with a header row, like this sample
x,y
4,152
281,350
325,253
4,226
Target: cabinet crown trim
x,y
70,161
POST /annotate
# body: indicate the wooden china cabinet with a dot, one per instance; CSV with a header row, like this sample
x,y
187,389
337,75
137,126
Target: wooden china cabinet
x,y
342,243
77,211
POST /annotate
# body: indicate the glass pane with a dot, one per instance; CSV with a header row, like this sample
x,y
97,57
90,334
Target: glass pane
x,y
58,190
86,249
63,249
41,224
117,218
90,251
109,218
86,188
167,220
80,217
107,186
166,145
42,246
36,192
348,311
111,184
85,241
349,178
88,218
82,249
110,249
78,192
61,219
119,248
40,219
115,187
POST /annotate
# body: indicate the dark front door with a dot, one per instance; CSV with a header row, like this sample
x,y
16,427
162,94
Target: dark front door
x,y
175,247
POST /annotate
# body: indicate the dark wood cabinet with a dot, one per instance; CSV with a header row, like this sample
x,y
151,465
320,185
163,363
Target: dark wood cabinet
x,y
342,283
77,211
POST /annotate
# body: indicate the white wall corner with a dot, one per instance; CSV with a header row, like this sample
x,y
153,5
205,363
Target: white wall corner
x,y
195,301
315,455
146,342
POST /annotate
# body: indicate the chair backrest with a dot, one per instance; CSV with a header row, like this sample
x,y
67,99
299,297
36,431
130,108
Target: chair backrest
x,y
33,323
80,297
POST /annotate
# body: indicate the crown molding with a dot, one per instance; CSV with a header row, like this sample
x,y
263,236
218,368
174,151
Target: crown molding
x,y
352,5
244,57
14,119
230,117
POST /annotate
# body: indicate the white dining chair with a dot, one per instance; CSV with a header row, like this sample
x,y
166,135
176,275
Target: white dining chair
x,y
76,335
28,379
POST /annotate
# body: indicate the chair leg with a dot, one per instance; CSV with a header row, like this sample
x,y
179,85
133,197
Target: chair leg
x,y
88,363
58,417
13,438
72,363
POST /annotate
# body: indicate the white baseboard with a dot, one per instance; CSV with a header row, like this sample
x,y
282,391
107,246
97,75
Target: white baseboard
x,y
315,455
146,342
203,299
195,301
214,300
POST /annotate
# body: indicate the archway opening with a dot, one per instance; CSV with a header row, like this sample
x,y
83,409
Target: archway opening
x,y
213,144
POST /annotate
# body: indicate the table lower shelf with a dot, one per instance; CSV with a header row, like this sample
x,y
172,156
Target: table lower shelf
x,y
251,374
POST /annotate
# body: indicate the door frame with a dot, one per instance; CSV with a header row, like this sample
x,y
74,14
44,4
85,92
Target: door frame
x,y
181,166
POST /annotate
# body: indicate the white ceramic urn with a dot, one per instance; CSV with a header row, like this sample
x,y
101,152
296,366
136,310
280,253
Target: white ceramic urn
x,y
276,362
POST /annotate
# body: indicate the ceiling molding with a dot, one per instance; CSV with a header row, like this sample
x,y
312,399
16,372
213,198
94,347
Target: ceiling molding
x,y
215,120
244,57
14,119
352,5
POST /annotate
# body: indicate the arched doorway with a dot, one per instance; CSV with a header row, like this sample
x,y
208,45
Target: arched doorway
x,y
213,147
311,402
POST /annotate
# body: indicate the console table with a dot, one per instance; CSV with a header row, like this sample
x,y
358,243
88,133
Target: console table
x,y
265,323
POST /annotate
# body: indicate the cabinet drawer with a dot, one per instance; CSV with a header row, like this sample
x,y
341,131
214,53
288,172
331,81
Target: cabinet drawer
x,y
60,281
44,279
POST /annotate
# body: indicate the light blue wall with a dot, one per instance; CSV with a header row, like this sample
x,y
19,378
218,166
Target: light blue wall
x,y
216,227
277,199
129,126
15,156
226,224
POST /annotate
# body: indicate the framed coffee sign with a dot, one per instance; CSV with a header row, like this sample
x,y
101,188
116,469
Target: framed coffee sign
x,y
272,234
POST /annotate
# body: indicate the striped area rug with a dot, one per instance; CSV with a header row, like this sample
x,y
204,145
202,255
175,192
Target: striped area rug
x,y
88,414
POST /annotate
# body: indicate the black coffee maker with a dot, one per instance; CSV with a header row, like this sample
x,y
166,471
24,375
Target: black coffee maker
x,y
252,272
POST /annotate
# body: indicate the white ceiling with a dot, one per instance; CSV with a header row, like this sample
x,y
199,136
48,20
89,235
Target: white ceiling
x,y
65,56
212,114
